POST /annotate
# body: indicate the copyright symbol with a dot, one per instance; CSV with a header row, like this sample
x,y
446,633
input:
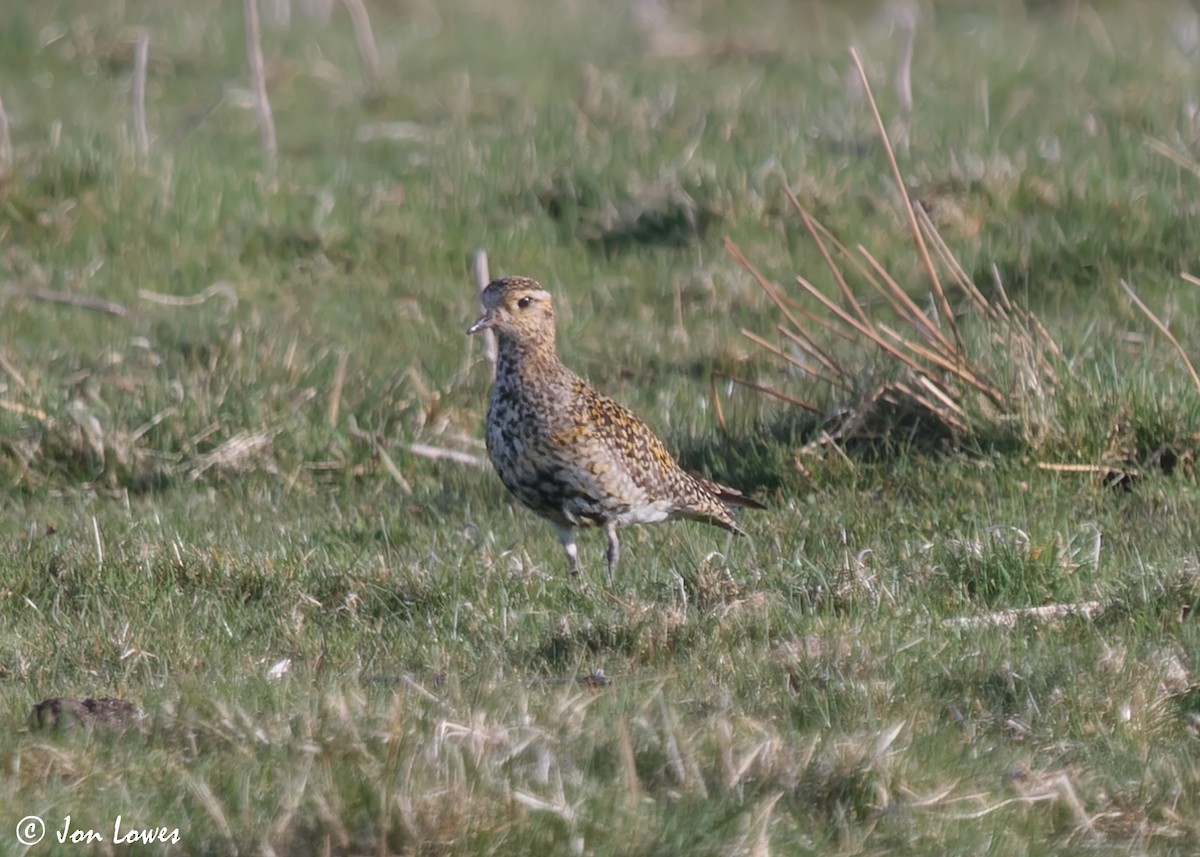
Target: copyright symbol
x,y
30,830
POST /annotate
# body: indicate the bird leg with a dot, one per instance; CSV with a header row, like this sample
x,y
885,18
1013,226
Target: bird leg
x,y
614,549
566,538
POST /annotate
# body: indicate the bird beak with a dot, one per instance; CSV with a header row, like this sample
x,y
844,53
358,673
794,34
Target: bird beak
x,y
487,320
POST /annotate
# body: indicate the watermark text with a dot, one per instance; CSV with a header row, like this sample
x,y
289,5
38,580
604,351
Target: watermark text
x,y
32,829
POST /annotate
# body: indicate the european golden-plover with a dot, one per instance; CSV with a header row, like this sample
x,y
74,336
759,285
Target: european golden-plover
x,y
570,454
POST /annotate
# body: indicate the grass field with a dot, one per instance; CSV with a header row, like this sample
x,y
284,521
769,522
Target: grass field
x,y
214,508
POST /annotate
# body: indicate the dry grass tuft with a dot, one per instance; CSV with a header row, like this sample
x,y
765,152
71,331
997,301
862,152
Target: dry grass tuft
x,y
945,382
79,444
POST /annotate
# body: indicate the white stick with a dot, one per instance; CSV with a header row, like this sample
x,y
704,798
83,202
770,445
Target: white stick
x,y
6,150
140,57
908,30
479,269
906,14
1010,618
339,381
99,543
365,37
258,82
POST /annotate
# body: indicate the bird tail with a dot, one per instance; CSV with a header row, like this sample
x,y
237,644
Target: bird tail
x,y
730,496
719,501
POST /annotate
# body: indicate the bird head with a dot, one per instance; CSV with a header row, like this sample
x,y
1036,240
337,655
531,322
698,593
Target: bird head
x,y
516,307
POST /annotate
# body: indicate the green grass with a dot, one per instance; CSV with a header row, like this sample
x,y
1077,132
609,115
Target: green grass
x,y
334,659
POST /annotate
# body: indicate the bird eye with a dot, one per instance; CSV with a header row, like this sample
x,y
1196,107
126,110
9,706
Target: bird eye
x,y
524,302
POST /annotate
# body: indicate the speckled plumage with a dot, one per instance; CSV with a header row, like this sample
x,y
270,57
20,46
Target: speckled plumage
x,y
570,454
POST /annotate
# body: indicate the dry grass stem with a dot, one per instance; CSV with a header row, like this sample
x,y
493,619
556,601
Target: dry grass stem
x,y
233,455
208,800
1100,469
438,453
224,289
381,453
1173,155
868,331
906,199
819,235
807,343
633,783
146,427
950,261
762,388
414,685
1010,618
938,392
364,36
258,84
65,298
715,396
1162,327
335,391
807,367
296,787
947,411
1023,800
9,369
894,293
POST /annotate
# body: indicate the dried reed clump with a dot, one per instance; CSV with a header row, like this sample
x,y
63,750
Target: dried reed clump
x,y
999,377
78,444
